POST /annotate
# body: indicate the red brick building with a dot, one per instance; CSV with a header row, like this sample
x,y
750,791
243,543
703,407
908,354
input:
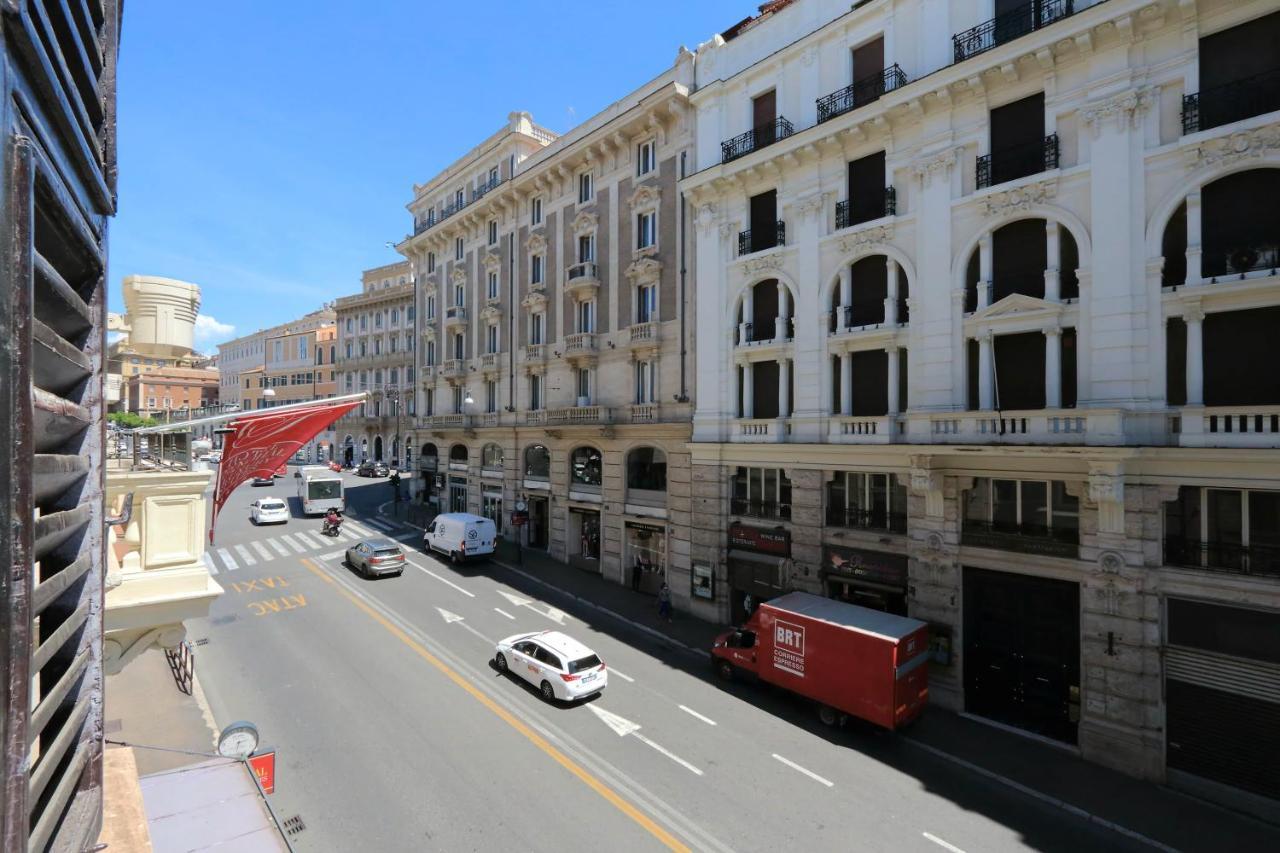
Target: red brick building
x,y
171,388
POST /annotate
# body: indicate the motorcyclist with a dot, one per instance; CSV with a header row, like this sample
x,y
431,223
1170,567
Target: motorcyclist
x,y
332,521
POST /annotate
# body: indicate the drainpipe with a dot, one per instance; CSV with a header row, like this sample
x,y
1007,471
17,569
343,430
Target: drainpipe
x,y
684,396
511,323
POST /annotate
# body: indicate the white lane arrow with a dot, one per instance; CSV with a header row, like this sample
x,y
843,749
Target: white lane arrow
x,y
624,727
450,618
557,616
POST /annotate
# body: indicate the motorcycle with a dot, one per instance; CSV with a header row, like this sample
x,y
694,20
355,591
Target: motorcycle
x,y
329,528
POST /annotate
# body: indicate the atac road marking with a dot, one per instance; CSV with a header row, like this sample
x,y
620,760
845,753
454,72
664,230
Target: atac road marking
x,y
245,555
227,559
808,773
693,713
266,555
938,841
464,682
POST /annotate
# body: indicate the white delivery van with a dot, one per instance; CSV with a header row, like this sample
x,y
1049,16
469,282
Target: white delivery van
x,y
461,535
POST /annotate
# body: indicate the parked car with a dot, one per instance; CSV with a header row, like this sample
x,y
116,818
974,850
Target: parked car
x,y
269,511
558,665
461,535
264,481
215,457
373,557
372,469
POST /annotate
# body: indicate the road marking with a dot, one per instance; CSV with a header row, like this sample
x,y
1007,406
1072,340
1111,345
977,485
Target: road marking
x,y
360,530
640,818
245,555
621,675
623,727
311,540
808,773
380,525
266,555
938,841
331,555
504,613
280,549
555,615
227,559
452,618
293,543
209,563
443,580
693,713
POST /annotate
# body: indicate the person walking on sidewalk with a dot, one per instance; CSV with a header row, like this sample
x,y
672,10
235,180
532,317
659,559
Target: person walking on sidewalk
x,y
664,602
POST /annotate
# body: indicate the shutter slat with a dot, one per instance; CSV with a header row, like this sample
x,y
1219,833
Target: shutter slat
x,y
1252,678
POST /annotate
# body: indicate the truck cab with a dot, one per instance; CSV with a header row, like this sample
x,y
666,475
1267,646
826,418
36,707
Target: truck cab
x,y
735,650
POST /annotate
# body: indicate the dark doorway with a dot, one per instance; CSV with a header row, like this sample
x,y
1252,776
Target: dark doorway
x,y
1017,139
866,188
1240,223
1237,344
1020,371
764,221
764,389
1019,255
870,382
1022,651
1175,361
1240,72
764,310
764,110
869,279
539,525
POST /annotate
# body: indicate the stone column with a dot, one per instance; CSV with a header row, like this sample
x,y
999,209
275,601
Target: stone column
x,y
1053,262
1195,273
1053,368
735,379
891,289
748,391
784,313
1194,318
986,393
846,383
748,311
784,387
984,271
846,296
893,380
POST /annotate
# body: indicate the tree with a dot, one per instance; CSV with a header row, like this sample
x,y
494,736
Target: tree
x,y
130,420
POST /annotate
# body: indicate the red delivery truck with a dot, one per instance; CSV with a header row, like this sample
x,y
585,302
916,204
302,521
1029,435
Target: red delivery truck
x,y
852,661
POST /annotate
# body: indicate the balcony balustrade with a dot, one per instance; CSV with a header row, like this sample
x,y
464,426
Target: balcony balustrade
x,y
755,139
645,333
1023,538
645,413
849,213
762,430
490,361
1226,426
1009,26
582,279
452,368
1017,161
1037,426
860,93
852,518
455,315
580,343
760,509
856,429
453,421
579,415
535,352
758,239
535,417
747,334
1261,560
1240,99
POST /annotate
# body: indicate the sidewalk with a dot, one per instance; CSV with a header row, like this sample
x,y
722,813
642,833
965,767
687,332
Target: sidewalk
x,y
1142,811
144,707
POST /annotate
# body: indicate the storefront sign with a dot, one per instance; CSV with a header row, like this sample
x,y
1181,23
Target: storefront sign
x,y
264,767
764,541
871,566
704,581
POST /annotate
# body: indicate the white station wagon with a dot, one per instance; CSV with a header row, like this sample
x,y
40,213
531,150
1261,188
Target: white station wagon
x,y
269,511
558,665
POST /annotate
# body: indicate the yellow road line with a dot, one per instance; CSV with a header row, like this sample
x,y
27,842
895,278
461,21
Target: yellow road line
x,y
536,739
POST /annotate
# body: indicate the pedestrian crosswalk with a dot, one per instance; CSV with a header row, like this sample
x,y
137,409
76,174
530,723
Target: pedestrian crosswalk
x,y
287,544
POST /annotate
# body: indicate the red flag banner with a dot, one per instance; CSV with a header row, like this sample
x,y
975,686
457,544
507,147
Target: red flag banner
x,y
260,442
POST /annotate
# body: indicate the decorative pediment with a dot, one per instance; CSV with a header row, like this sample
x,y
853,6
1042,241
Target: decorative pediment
x,y
1016,304
459,275
584,223
643,270
537,243
860,241
491,311
1020,198
492,261
645,198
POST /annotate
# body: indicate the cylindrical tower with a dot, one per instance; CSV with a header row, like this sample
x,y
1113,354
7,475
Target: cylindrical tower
x,y
161,314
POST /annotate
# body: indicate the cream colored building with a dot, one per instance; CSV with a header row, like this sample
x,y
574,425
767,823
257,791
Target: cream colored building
x,y
375,349
552,356
249,352
155,332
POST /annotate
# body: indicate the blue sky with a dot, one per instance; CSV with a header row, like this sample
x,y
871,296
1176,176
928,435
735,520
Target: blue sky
x,y
267,149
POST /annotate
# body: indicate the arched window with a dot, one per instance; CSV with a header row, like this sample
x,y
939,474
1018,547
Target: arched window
x,y
1019,260
537,462
429,458
647,469
586,466
458,453
333,354
491,457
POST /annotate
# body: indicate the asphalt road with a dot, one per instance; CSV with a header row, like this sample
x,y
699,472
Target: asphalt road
x,y
395,732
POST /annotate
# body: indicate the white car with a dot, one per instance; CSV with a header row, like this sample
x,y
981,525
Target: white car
x,y
269,511
214,457
558,665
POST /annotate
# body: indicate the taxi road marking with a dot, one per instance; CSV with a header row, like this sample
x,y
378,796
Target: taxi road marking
x,y
277,605
669,840
259,584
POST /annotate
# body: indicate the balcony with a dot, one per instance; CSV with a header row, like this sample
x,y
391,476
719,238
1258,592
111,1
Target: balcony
x,y
579,416
1039,426
860,93
762,430
1241,99
645,335
758,239
156,575
535,417
1017,161
535,353
454,421
455,316
580,344
1009,26
1023,538
645,413
857,429
427,374
755,139
767,334
582,280
1226,426
452,368
488,419
491,362
760,509
849,213
1242,262
866,519
1226,557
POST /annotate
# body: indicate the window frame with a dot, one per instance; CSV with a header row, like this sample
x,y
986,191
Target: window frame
x,y
586,187
646,156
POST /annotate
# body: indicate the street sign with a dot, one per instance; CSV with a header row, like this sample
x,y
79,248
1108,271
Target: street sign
x,y
264,767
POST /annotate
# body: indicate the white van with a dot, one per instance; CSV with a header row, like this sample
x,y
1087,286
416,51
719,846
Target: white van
x,y
461,535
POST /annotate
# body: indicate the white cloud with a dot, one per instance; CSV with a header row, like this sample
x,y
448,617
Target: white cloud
x,y
209,332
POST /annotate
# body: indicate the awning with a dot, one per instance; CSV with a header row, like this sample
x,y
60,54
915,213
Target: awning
x,y
210,806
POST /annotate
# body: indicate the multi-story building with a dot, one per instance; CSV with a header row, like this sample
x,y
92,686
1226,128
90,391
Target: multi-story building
x,y
977,299
169,390
375,344
155,332
249,352
299,366
555,329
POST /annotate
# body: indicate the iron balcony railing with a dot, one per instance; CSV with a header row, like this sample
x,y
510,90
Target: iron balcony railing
x,y
583,269
1241,261
1017,161
760,509
1024,538
1009,26
754,139
759,239
855,211
865,519
1262,560
869,312
1232,101
860,92
768,332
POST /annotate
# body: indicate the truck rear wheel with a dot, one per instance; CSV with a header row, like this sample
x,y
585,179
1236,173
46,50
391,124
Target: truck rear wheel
x,y
724,670
828,715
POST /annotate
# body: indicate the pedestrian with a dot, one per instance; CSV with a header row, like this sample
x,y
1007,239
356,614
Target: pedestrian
x,y
664,602
635,576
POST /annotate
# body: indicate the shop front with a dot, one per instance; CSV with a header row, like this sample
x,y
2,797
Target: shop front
x,y
491,505
872,579
756,567
457,493
646,555
584,538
